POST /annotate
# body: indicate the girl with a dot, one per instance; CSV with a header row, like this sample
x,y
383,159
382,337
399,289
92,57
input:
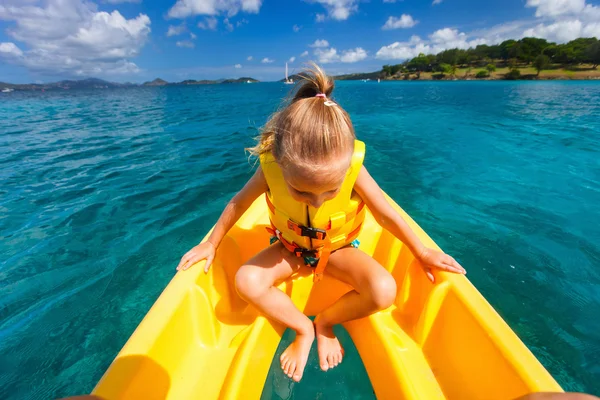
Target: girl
x,y
316,185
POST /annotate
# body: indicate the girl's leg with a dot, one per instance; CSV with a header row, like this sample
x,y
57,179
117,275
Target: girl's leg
x,y
374,290
255,282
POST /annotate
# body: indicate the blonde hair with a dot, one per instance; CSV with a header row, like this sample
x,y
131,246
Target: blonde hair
x,y
311,129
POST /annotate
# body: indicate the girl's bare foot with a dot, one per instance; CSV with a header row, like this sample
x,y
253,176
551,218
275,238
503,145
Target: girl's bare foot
x,y
293,360
330,349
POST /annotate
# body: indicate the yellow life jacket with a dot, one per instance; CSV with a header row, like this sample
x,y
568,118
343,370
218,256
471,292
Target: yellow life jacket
x,y
315,232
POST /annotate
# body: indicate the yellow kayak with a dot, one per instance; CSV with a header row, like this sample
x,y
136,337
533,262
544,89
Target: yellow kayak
x,y
438,341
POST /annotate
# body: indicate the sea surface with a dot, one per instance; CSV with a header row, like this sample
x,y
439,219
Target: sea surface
x,y
102,192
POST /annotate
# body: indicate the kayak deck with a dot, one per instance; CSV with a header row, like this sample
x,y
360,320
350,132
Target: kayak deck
x,y
438,341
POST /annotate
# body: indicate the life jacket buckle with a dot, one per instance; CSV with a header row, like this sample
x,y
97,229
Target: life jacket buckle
x,y
301,252
313,233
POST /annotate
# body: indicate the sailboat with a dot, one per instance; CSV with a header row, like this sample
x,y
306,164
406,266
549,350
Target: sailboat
x,y
287,81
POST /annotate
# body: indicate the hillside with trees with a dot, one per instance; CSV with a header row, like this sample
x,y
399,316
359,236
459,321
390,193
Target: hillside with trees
x,y
527,58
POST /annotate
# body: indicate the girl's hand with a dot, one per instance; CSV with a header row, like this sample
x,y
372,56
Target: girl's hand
x,y
204,251
434,259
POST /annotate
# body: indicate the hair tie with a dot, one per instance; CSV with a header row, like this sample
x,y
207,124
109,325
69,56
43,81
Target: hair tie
x,y
328,103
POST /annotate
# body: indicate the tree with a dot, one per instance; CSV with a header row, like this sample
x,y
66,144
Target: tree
x,y
531,48
482,74
491,68
419,64
541,62
551,51
444,68
580,47
453,71
593,54
463,57
511,49
448,56
513,74
387,70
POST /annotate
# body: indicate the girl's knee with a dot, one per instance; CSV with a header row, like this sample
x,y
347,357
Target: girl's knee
x,y
383,291
250,282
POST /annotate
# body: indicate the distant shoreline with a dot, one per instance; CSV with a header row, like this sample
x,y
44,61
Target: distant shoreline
x,y
462,74
470,74
94,83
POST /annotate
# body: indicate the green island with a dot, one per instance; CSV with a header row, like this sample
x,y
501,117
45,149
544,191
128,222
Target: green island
x,y
527,58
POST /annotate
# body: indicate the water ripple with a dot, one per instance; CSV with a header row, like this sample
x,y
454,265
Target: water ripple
x,y
101,192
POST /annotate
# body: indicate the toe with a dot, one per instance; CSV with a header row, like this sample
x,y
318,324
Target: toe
x,y
292,369
330,360
299,371
323,360
286,366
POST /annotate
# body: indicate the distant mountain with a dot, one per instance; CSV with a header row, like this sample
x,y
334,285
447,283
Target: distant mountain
x,y
240,80
95,83
160,82
194,82
89,83
156,82
358,76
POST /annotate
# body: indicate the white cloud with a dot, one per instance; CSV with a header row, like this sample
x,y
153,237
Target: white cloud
x,y
72,37
569,19
185,43
193,36
296,28
391,1
436,2
292,59
403,50
209,24
267,60
319,43
320,18
228,24
331,55
304,54
325,56
186,8
122,1
554,8
238,66
337,9
405,21
564,31
498,33
440,40
241,22
352,56
10,49
175,30
249,58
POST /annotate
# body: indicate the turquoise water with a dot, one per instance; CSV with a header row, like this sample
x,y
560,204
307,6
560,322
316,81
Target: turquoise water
x,y
349,380
101,193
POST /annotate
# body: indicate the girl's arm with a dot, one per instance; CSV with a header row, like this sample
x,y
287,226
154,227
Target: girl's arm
x,y
390,220
256,186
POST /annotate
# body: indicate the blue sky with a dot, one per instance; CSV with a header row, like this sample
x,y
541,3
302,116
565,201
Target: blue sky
x,y
138,40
